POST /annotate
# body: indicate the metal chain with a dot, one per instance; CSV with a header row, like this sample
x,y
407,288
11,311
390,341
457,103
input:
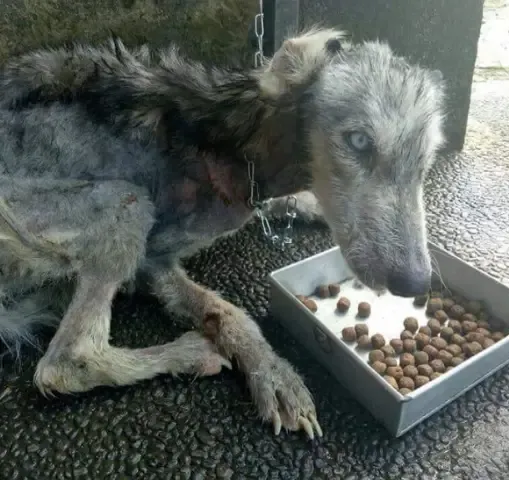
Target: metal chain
x,y
254,198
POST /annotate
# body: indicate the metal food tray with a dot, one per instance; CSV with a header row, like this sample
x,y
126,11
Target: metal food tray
x,y
320,332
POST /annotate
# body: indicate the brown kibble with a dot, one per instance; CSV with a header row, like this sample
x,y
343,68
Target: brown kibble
x,y
343,305
447,304
405,391
364,310
435,375
434,305
445,356
420,300
364,342
420,381
456,312
437,365
425,330
406,359
411,324
472,348
473,307
441,316
361,329
391,381
497,336
468,317
434,326
469,326
454,350
446,333
388,351
421,358
396,372
349,334
457,339
311,305
421,340
406,335
410,371
301,298
378,341
484,324
425,370
431,351
391,361
334,289
379,367
456,361
455,325
322,291
406,382
484,332
474,337
376,356
409,345
438,343
487,343
448,369
397,344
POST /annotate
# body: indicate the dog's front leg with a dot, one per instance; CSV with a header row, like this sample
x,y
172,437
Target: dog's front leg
x,y
277,390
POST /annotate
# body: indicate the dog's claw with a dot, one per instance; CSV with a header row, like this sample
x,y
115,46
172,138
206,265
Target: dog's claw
x,y
276,421
316,425
305,425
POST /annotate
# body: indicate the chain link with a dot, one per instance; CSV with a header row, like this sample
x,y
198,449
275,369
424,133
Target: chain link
x,y
254,197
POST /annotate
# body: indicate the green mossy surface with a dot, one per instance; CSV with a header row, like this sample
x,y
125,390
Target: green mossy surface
x,y
210,30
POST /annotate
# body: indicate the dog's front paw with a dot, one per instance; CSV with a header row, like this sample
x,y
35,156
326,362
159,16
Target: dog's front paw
x,y
282,398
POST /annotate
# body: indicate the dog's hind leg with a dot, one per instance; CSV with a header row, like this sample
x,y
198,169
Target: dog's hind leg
x,y
277,390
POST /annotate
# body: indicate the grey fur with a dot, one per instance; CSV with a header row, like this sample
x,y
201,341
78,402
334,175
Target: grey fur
x,y
115,164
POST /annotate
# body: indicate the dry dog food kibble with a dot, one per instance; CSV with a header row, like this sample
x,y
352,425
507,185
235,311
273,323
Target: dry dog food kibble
x,y
410,371
434,305
391,361
426,330
446,333
454,349
425,370
421,340
474,337
435,375
349,334
455,325
364,342
361,329
378,341
406,335
395,372
409,345
343,305
411,324
457,339
407,359
441,316
364,310
431,351
301,298
334,289
434,326
497,336
472,348
468,317
391,381
379,367
469,326
447,304
388,351
421,358
456,361
406,382
322,291
445,356
420,300
484,332
437,365
420,381
484,324
405,391
456,312
487,343
438,343
376,356
397,344
311,305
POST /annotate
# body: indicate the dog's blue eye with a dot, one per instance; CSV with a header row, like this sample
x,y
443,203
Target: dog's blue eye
x,y
359,141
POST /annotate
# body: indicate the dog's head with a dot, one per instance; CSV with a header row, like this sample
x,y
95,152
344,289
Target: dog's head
x,y
374,125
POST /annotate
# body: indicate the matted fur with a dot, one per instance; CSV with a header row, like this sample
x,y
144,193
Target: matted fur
x,y
116,163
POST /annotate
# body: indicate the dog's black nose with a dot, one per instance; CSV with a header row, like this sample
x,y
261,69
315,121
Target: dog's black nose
x,y
408,284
